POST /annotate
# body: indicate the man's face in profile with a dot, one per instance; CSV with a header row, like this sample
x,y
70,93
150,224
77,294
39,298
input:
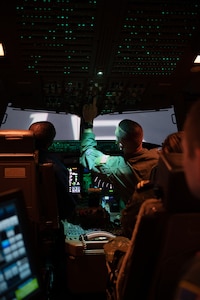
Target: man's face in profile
x,y
118,140
191,166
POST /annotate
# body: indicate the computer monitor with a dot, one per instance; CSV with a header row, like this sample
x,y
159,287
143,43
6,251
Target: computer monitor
x,y
85,183
74,179
18,269
93,183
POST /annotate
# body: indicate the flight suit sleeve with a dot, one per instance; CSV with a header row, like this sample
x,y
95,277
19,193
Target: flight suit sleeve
x,y
114,168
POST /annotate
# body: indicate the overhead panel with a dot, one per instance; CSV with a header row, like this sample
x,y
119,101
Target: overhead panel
x,y
139,46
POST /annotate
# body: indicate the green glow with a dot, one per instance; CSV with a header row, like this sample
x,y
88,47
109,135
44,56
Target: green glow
x,y
26,289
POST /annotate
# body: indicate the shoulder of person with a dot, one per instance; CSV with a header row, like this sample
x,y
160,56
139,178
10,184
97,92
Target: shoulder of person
x,y
154,151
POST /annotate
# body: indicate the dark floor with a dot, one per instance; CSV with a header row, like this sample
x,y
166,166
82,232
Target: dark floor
x,y
93,296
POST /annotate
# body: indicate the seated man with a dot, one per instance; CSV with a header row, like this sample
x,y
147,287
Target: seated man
x,y
44,133
189,285
124,172
145,188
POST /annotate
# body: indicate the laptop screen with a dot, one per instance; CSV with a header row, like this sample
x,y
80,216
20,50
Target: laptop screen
x,y
18,275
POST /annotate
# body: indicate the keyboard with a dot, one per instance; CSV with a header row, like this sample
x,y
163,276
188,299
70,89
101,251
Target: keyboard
x,y
73,232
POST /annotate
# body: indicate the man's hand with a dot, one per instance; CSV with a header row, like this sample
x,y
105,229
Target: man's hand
x,y
142,183
90,111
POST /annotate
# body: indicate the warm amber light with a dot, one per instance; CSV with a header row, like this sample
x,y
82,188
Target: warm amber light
x,y
197,59
1,50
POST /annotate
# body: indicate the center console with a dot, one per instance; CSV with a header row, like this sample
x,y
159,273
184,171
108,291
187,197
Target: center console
x,y
97,206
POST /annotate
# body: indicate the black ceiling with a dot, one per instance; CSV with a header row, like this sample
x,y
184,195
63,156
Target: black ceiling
x,y
54,50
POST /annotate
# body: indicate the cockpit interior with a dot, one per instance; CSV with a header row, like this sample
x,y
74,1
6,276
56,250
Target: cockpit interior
x,y
140,60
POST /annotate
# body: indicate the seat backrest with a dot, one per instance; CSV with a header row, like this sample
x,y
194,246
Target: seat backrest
x,y
180,242
139,254
49,215
18,167
155,261
162,242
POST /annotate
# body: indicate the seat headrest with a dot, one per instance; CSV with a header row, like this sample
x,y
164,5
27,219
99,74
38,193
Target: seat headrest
x,y
171,185
17,141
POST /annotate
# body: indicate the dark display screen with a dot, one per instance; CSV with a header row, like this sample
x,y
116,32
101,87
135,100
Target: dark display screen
x,y
18,277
